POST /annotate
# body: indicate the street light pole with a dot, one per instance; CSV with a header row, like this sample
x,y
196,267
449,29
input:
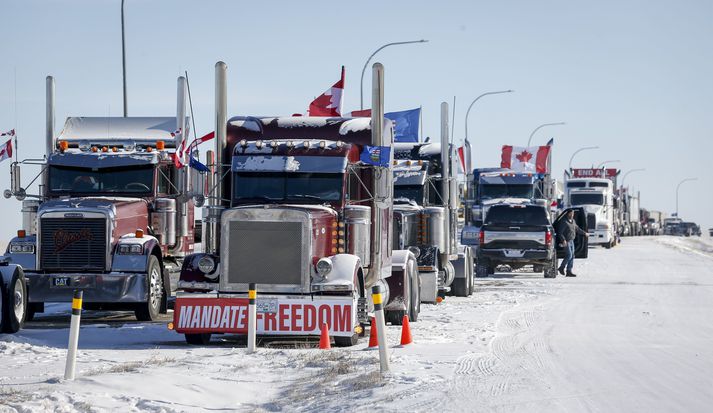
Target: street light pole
x,y
361,84
578,151
678,187
627,174
467,154
606,162
542,126
123,56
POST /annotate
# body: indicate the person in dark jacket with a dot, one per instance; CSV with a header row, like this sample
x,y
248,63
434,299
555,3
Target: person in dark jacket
x,y
568,230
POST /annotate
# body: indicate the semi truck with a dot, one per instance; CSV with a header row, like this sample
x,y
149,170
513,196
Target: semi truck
x,y
426,202
302,207
112,216
593,189
629,213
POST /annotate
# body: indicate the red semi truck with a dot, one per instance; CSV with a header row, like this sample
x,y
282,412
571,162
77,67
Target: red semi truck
x,y
113,216
302,206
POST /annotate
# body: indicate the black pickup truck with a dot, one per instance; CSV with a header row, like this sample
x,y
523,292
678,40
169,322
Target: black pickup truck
x,y
518,235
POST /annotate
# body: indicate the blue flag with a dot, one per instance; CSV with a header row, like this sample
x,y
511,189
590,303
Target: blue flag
x,y
376,155
406,124
197,165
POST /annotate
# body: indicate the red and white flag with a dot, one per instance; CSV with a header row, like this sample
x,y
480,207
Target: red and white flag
x,y
329,103
532,159
11,132
6,150
180,155
461,159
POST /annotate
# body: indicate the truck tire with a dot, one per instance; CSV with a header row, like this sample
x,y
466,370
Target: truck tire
x,y
198,339
551,270
395,317
149,311
32,309
346,341
538,268
13,303
482,269
415,308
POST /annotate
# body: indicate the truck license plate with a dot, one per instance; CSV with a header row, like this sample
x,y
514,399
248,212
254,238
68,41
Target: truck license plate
x,y
60,281
266,305
514,253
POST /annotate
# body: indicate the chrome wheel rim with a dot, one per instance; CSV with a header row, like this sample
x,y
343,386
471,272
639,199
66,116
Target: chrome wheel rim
x,y
19,295
154,289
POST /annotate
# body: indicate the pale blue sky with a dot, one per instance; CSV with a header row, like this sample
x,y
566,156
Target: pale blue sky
x,y
634,77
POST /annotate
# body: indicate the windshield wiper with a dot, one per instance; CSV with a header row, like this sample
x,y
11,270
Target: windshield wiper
x,y
306,196
258,198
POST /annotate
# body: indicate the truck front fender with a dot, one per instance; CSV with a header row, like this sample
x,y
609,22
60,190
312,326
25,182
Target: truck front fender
x,y
137,263
343,276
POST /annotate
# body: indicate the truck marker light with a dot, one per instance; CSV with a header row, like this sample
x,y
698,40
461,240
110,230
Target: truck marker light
x,y
341,233
104,149
334,250
334,233
139,233
274,144
340,144
243,143
322,144
341,250
290,144
21,233
160,145
63,145
341,224
149,149
481,237
169,326
341,240
258,144
305,144
94,148
115,149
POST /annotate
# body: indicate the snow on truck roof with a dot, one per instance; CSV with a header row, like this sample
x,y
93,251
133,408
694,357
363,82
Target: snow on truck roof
x,y
141,130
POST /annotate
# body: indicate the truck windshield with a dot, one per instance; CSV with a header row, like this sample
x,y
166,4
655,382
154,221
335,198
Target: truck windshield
x,y
587,199
410,192
489,191
516,214
137,181
301,187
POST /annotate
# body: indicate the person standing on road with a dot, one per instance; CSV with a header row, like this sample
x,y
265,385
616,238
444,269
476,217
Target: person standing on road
x,y
568,230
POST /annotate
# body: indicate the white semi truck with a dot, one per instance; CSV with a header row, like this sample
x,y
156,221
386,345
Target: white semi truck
x,y
593,189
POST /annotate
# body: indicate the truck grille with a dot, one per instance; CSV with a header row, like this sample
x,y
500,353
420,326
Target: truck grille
x,y
265,252
69,244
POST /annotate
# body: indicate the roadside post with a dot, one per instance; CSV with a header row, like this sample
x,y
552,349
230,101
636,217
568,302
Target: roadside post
x,y
73,335
252,317
380,328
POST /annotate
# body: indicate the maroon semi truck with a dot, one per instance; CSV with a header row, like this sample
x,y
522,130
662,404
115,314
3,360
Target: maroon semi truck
x,y
302,207
113,216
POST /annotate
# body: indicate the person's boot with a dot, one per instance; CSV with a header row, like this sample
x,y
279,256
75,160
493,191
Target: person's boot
x,y
571,274
561,270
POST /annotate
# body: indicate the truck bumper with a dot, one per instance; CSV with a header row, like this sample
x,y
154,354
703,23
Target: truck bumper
x,y
276,315
97,288
521,256
600,237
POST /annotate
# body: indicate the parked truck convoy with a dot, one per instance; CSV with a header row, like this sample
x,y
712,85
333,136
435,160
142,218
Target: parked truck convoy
x,y
593,189
112,216
426,201
629,218
302,206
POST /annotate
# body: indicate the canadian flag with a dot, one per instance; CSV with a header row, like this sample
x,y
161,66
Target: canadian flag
x,y
329,103
6,150
532,159
461,159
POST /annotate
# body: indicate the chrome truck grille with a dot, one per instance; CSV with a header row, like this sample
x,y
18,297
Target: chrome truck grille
x,y
270,247
72,244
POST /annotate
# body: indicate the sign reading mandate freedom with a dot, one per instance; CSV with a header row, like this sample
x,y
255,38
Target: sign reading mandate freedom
x,y
275,316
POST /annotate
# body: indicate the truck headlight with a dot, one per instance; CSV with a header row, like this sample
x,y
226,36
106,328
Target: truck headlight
x,y
324,266
416,251
130,249
22,248
206,265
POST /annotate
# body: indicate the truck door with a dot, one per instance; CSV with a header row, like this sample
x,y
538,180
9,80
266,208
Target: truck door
x,y
581,243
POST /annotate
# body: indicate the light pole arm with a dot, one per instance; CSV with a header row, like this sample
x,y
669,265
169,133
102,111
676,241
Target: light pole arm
x,y
363,70
542,126
627,174
679,187
578,151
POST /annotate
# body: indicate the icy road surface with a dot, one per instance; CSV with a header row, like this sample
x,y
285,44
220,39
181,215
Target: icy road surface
x,y
634,332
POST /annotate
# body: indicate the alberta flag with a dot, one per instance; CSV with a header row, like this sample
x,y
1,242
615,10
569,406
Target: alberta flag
x,y
406,123
376,155
531,159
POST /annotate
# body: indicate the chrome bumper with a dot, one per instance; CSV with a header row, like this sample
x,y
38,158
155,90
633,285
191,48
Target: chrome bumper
x,y
97,288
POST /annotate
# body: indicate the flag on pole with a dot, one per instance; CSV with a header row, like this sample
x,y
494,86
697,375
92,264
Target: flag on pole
x,y
461,159
6,150
329,103
11,132
180,154
406,123
531,159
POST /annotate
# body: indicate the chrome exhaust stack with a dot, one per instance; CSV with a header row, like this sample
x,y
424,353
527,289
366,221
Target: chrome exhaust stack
x,y
49,130
446,176
181,137
215,197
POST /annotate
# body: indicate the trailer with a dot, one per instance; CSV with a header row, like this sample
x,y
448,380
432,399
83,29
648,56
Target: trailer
x,y
302,207
113,216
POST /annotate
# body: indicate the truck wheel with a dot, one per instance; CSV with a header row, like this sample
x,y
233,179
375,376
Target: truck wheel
x,y
459,288
32,309
551,270
13,304
481,269
150,310
346,341
538,268
198,339
415,307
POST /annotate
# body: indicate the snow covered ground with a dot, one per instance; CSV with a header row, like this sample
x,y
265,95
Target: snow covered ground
x,y
631,333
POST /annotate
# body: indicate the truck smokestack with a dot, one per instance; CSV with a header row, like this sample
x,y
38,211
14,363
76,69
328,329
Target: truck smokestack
x,y
446,172
215,196
181,138
383,179
49,118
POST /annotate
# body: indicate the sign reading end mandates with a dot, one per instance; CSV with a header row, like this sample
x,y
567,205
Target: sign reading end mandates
x,y
275,316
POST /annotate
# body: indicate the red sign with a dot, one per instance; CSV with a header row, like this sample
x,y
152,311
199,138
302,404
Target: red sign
x,y
595,173
278,316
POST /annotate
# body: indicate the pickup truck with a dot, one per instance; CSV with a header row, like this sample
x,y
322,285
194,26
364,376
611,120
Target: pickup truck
x,y
519,235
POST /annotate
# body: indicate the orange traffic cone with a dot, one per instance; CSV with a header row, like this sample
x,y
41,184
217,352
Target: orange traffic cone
x,y
373,340
405,332
324,340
